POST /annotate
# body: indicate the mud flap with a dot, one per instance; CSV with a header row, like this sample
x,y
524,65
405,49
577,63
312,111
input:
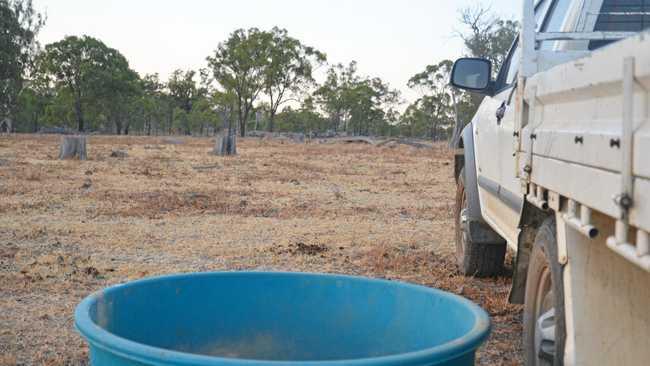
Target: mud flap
x,y
530,221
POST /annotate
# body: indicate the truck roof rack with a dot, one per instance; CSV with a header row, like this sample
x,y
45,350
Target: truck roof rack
x,y
530,38
582,36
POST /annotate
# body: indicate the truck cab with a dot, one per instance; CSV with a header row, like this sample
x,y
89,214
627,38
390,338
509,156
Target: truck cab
x,y
547,155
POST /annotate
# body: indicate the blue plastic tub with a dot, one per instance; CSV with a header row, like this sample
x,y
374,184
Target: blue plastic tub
x,y
254,318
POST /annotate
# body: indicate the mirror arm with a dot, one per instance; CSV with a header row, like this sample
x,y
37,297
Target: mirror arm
x,y
490,90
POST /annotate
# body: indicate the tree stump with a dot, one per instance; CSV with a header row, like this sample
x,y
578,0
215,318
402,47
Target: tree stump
x,y
73,147
5,126
225,144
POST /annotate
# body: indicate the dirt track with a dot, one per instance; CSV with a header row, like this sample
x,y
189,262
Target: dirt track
x,y
68,228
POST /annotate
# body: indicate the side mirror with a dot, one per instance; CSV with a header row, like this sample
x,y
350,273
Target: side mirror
x,y
473,74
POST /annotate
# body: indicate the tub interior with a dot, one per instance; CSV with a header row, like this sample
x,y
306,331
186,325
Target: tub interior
x,y
281,317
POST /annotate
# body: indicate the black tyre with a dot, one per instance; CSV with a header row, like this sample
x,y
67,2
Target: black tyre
x,y
544,321
474,259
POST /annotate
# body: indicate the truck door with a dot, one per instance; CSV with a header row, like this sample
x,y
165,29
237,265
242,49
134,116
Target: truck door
x,y
501,198
496,160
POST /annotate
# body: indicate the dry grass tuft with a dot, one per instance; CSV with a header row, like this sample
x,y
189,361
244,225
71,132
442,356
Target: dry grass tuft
x,y
33,175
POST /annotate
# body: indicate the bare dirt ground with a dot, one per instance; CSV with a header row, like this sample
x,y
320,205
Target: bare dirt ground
x,y
69,228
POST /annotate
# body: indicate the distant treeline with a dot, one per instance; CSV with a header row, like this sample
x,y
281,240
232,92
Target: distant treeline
x,y
254,80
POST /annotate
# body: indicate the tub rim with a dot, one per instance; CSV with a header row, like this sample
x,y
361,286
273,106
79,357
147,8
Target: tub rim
x,y
100,338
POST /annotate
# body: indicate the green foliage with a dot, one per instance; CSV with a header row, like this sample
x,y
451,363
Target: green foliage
x,y
32,104
255,79
306,119
487,35
153,103
200,119
239,66
442,108
254,62
433,113
288,70
355,104
92,73
184,91
19,25
58,112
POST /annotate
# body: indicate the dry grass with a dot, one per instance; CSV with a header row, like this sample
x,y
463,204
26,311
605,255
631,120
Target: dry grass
x,y
68,228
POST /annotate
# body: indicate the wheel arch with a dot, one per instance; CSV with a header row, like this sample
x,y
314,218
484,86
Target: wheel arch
x,y
467,160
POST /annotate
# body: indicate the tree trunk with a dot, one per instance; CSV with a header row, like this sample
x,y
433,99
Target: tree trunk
x,y
188,128
271,121
242,129
170,119
337,121
35,125
435,131
79,114
242,124
73,147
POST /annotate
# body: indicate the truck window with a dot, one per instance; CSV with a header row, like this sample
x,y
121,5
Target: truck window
x,y
555,20
513,65
508,71
621,16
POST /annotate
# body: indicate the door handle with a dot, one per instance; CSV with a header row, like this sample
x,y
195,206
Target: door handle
x,y
501,111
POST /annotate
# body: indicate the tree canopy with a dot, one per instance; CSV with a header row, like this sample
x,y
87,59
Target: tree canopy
x,y
289,69
254,79
239,65
485,34
19,25
90,71
441,108
356,104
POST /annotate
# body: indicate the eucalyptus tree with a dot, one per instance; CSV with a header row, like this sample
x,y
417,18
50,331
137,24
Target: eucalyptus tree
x,y
153,103
305,119
369,101
185,92
239,65
19,26
414,121
334,94
355,103
88,69
117,93
437,98
223,102
33,101
289,69
486,34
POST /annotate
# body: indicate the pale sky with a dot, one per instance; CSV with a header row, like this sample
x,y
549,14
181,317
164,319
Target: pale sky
x,y
389,39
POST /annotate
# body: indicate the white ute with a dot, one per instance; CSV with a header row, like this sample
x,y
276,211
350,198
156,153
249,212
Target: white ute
x,y
556,165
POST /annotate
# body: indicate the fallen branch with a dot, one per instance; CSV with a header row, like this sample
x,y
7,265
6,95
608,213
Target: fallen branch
x,y
351,139
206,167
417,145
